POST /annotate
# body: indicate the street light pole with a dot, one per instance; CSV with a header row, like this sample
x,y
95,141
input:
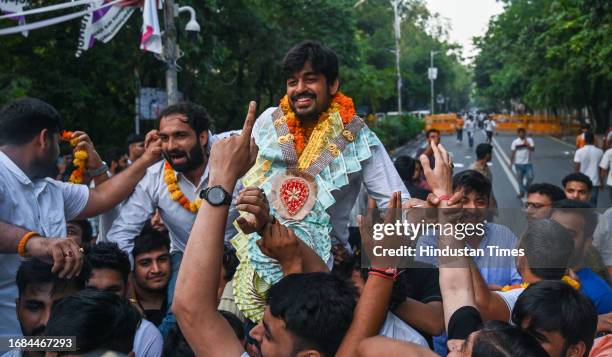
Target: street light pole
x,y
170,52
431,79
398,34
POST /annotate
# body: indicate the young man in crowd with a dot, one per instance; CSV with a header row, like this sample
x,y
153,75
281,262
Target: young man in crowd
x,y
470,129
39,289
522,147
489,127
484,155
29,146
80,231
135,147
586,161
432,135
580,219
559,316
410,171
117,161
152,271
110,269
116,324
605,165
578,186
540,198
299,158
172,186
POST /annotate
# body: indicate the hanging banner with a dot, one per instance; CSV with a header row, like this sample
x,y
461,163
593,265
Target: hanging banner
x,y
150,39
15,7
102,24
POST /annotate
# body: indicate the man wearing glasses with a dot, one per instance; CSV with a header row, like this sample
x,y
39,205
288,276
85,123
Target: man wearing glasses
x,y
540,198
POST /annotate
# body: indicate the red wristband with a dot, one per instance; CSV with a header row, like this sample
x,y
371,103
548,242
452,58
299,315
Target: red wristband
x,y
444,198
381,275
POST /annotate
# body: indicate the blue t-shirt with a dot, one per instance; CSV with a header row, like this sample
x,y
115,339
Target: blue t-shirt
x,y
593,286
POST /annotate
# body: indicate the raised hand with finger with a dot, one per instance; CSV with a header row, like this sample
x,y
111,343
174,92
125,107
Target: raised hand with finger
x,y
280,243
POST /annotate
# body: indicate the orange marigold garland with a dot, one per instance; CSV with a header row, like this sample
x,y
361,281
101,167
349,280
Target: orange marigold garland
x,y
175,191
340,103
80,158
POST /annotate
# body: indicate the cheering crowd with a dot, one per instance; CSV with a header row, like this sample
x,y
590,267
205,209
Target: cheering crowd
x,y
258,242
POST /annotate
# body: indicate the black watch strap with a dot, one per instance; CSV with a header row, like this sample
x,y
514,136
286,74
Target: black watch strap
x,y
227,198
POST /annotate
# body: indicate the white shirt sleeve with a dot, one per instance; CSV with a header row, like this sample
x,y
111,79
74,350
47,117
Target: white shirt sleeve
x,y
75,198
148,341
578,156
510,297
605,160
513,146
531,142
380,177
133,215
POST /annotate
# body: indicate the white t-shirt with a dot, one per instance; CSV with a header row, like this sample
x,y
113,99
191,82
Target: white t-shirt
x,y
522,154
606,164
397,329
469,126
589,157
490,125
40,205
510,298
148,341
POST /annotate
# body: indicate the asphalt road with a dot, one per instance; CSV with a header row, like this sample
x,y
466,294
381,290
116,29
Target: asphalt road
x,y
552,160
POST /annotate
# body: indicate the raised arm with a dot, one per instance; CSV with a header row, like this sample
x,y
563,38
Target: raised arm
x,y
373,303
119,187
206,330
490,304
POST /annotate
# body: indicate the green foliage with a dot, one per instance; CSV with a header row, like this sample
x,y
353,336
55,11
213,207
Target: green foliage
x,y
395,130
236,58
549,54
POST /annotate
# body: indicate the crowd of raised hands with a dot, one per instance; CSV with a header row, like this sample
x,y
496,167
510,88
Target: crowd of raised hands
x,y
206,330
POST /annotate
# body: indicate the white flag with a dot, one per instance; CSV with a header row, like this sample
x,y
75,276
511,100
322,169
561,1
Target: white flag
x,y
150,39
102,24
14,7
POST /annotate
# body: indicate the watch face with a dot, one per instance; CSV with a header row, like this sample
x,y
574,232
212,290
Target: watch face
x,y
216,196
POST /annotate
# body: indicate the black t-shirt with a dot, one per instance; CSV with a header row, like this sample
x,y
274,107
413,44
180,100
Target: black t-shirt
x,y
156,316
424,286
463,322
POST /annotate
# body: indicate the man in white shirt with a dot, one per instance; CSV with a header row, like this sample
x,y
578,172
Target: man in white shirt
x,y
521,159
605,165
173,187
586,160
34,207
470,127
489,125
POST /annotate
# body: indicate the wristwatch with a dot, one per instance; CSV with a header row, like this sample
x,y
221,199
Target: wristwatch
x,y
99,171
216,196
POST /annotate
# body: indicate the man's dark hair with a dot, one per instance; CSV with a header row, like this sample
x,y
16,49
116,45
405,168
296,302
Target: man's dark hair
x,y
197,116
499,338
175,344
100,321
405,166
472,181
548,247
114,154
483,150
149,240
552,191
581,208
589,138
22,119
230,262
521,130
551,305
33,271
316,307
322,59
85,228
134,138
107,255
432,131
579,177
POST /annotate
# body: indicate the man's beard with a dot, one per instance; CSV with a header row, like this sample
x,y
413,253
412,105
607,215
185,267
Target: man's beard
x,y
46,168
308,116
195,158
